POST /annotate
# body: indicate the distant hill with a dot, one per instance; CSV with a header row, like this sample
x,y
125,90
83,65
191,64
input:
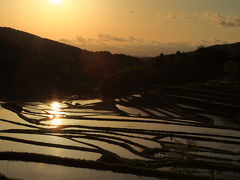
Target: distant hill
x,y
233,50
32,66
219,62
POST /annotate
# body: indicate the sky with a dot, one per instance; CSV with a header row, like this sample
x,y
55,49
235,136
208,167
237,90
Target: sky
x,y
135,27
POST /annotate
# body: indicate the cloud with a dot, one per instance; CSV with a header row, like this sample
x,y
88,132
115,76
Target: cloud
x,y
208,42
135,46
66,41
80,39
131,11
223,21
213,18
183,17
109,37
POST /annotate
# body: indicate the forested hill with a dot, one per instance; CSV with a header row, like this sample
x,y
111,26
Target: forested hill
x,y
33,66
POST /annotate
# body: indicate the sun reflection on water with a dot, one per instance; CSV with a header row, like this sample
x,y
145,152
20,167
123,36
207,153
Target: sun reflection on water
x,y
55,113
56,122
56,106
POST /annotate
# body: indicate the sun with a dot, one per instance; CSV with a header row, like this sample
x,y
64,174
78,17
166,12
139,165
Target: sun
x,y
55,1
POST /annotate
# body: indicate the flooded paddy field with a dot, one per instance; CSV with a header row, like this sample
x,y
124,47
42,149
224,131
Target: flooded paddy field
x,y
189,133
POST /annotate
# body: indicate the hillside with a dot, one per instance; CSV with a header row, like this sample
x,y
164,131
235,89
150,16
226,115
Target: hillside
x,y
220,63
32,66
233,50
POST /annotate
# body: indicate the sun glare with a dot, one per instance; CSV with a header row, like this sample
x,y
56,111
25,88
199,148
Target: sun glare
x,y
56,122
55,1
55,113
55,106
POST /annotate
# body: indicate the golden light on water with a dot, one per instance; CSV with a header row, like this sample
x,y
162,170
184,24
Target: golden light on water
x,y
55,113
56,122
56,106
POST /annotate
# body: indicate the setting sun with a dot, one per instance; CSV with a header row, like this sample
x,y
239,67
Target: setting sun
x,y
55,1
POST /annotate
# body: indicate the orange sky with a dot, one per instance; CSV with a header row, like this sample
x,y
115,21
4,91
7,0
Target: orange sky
x,y
136,27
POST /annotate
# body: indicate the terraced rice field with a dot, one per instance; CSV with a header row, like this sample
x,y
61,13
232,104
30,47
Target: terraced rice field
x,y
178,132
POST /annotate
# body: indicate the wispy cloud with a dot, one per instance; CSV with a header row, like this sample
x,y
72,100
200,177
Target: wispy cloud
x,y
223,21
109,37
66,41
135,46
183,17
208,17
